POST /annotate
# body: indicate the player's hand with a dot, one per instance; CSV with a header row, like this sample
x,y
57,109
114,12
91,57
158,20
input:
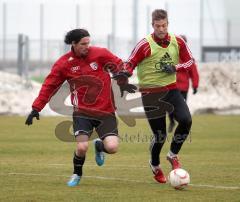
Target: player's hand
x,y
170,69
29,120
127,87
121,75
195,91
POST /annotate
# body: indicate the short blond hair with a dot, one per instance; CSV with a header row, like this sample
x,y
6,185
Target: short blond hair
x,y
159,14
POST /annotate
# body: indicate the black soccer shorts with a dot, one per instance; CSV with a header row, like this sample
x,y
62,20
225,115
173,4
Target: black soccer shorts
x,y
104,126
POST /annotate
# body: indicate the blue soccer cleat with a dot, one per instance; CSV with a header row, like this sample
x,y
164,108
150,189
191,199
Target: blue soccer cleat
x,y
74,180
99,156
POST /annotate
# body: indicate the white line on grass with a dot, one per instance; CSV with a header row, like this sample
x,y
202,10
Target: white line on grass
x,y
94,165
124,180
213,186
87,165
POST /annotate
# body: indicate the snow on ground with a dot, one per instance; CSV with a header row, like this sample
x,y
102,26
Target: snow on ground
x,y
17,95
219,92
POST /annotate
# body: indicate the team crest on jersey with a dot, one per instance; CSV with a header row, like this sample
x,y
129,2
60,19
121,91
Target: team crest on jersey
x,y
75,68
70,59
94,65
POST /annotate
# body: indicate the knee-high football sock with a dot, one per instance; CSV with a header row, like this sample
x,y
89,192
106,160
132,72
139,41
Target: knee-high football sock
x,y
78,164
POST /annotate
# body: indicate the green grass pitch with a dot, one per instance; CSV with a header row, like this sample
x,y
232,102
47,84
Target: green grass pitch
x,y
35,165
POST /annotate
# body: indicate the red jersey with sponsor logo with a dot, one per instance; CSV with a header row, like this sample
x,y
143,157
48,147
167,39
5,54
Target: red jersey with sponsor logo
x,y
89,79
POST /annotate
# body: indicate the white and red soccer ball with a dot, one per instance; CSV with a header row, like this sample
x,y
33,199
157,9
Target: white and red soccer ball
x,y
179,178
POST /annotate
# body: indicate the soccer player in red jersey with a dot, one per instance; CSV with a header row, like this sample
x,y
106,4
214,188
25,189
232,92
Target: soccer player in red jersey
x,y
86,69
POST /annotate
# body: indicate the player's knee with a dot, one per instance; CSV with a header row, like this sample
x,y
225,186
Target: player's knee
x,y
111,144
82,148
111,147
186,121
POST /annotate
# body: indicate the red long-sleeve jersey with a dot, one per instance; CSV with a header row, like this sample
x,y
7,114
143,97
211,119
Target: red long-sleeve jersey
x,y
142,50
89,79
184,76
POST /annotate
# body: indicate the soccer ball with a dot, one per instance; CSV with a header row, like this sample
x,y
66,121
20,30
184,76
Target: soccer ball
x,y
179,178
